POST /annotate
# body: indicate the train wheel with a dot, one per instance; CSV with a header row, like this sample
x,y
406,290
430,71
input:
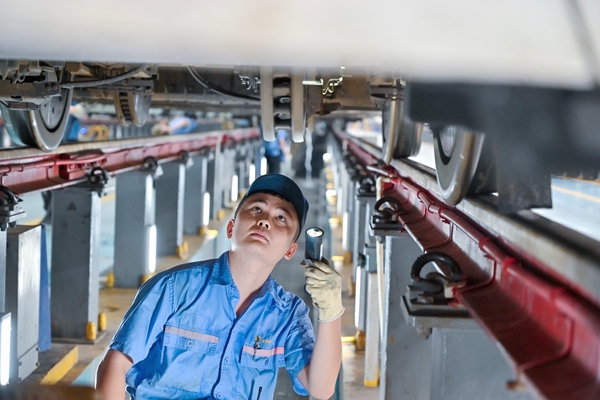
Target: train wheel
x,y
464,163
132,107
401,136
43,128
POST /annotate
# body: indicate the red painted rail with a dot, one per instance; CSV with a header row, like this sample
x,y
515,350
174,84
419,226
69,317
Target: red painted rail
x,y
70,164
549,332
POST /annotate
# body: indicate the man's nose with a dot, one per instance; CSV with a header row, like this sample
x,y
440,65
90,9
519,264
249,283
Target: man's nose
x,y
264,223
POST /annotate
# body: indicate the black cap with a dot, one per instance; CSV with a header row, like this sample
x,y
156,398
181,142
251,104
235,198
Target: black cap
x,y
286,188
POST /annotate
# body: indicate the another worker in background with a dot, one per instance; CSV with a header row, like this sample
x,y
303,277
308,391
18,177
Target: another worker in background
x,y
276,151
181,124
221,329
76,114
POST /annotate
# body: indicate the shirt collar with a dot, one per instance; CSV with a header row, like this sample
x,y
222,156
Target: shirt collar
x,y
221,275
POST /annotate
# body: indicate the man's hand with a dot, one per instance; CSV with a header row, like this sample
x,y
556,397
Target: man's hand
x,y
324,285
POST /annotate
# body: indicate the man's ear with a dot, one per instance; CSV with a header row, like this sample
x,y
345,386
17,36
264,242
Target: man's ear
x,y
230,225
291,251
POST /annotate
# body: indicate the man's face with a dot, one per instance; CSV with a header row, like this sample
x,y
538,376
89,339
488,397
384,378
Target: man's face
x,y
265,226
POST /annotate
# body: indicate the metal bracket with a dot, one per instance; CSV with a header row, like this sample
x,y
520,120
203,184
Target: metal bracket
x,y
429,302
10,210
384,218
34,93
152,166
99,181
185,159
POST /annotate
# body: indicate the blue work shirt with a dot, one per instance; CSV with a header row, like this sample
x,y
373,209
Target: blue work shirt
x,y
189,127
186,341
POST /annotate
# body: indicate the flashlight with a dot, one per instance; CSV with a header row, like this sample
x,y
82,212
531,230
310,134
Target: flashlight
x,y
313,249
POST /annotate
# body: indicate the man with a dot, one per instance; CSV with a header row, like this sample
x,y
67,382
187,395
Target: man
x,y
222,328
179,125
275,152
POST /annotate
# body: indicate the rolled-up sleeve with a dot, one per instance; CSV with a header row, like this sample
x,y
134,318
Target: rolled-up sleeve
x,y
299,347
145,319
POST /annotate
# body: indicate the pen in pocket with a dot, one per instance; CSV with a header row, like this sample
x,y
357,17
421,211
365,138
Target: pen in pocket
x,y
259,392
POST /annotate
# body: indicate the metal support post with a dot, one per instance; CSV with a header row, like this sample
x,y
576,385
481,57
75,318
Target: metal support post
x,y
405,354
258,159
2,270
75,262
23,298
228,172
135,231
195,187
348,215
364,250
10,212
248,162
467,364
464,362
217,196
170,189
372,332
241,170
212,187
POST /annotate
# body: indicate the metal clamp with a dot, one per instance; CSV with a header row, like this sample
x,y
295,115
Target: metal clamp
x,y
151,165
434,283
10,210
389,212
366,185
429,302
98,176
384,218
184,158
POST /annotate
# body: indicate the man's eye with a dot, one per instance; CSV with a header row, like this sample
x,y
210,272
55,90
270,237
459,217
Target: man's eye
x,y
256,208
281,217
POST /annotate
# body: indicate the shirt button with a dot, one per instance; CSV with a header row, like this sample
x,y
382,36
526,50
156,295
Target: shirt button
x,y
266,362
219,396
190,343
226,360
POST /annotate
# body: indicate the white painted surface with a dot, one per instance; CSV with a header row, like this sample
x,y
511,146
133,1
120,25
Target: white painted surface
x,y
512,41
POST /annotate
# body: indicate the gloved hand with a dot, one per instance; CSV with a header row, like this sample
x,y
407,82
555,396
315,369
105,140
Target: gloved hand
x,y
324,285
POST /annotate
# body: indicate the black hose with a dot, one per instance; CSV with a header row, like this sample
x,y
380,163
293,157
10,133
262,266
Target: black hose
x,y
106,81
212,88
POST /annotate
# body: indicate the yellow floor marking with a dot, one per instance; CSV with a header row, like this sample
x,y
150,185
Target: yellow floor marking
x,y
61,368
373,383
109,197
33,222
577,194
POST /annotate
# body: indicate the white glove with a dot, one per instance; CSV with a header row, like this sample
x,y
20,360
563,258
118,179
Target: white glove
x,y
324,285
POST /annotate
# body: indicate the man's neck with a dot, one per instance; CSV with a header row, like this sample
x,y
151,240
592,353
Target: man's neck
x,y
249,276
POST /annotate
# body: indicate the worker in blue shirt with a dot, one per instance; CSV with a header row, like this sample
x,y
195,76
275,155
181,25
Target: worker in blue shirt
x,y
179,125
275,151
221,329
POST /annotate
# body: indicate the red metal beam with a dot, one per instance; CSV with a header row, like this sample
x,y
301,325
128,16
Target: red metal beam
x,y
38,171
550,332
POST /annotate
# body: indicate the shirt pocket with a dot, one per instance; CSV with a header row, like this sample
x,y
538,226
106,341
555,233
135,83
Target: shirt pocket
x,y
186,356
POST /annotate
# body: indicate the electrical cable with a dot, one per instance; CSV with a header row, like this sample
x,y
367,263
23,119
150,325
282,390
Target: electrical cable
x,y
211,88
106,81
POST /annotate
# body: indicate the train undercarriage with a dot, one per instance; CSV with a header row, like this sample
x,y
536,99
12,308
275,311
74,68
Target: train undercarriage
x,y
488,138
